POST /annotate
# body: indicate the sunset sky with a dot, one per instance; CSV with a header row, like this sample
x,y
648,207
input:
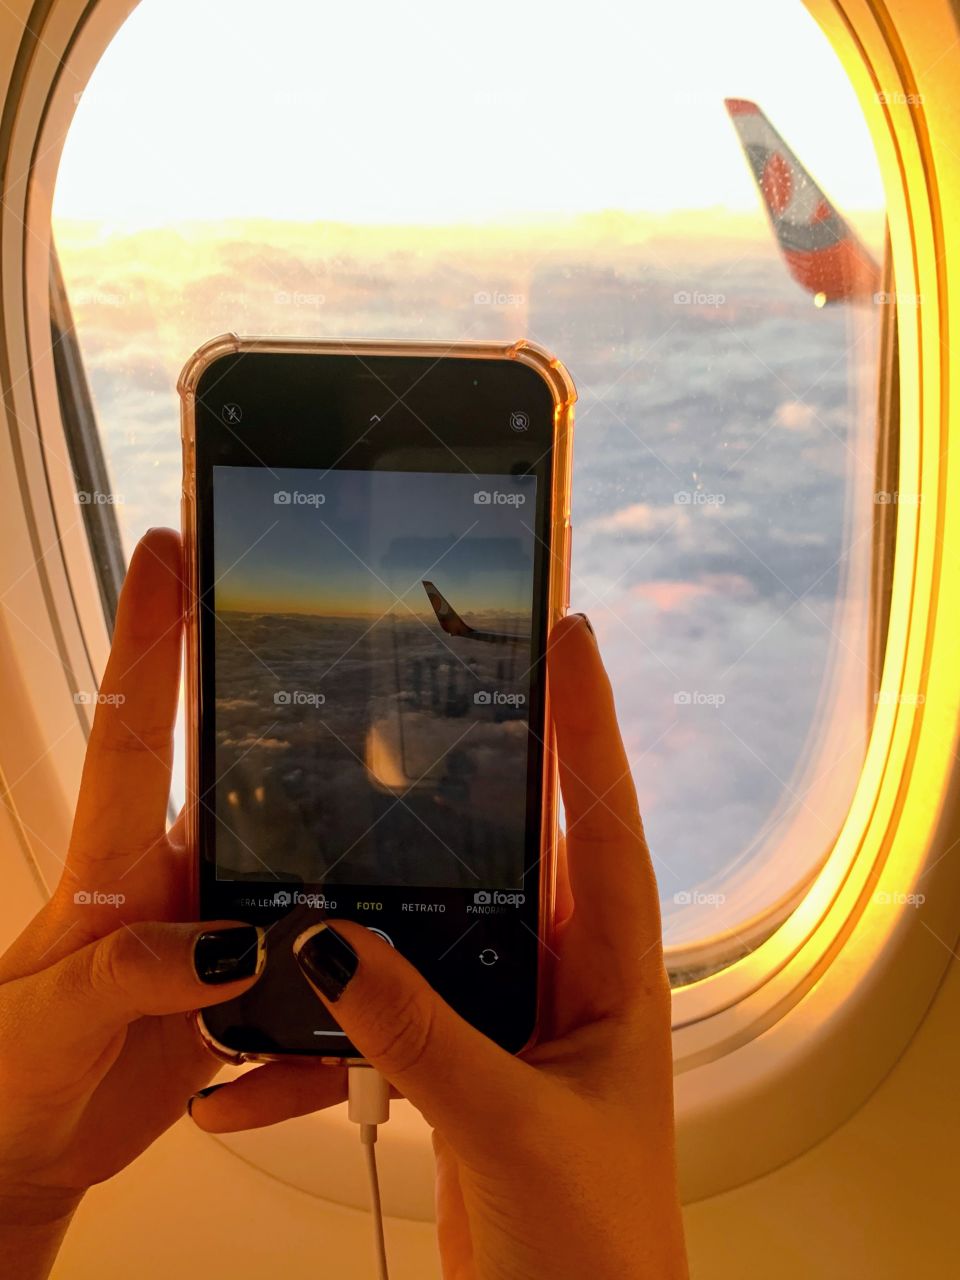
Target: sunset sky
x,y
371,540
376,171
436,112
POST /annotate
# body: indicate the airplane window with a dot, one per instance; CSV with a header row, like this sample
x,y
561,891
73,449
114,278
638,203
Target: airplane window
x,y
695,226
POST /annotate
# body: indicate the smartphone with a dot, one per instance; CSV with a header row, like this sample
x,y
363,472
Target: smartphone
x,y
377,543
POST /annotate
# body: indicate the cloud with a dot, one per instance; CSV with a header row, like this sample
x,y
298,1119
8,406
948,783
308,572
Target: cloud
x,y
757,407
639,517
795,415
669,596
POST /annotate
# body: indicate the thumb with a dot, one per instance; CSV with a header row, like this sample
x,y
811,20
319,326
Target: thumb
x,y
77,1006
451,1072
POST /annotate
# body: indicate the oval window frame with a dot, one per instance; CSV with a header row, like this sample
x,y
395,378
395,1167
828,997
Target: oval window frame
x,y
844,982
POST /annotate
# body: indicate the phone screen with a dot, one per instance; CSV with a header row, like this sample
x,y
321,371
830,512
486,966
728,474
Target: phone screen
x,y
372,628
358,741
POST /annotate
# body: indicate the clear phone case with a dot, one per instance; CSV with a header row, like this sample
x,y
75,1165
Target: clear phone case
x,y
563,393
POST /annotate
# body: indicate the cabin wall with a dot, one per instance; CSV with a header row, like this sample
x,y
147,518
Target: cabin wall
x,y
878,1199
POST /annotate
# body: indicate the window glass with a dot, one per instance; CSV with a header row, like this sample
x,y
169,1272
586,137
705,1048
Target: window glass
x,y
572,176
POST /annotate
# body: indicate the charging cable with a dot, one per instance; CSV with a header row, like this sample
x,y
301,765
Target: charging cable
x,y
368,1105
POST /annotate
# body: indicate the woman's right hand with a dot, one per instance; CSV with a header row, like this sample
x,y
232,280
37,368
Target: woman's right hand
x,y
559,1162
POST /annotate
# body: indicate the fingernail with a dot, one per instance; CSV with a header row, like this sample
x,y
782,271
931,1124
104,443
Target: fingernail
x,y
587,624
327,959
203,1093
227,955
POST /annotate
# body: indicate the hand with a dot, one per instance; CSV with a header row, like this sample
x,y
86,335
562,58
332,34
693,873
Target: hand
x,y
559,1162
97,1057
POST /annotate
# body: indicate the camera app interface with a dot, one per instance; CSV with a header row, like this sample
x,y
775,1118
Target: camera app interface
x,y
372,678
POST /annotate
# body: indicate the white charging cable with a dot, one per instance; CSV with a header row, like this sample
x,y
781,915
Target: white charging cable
x,y
368,1105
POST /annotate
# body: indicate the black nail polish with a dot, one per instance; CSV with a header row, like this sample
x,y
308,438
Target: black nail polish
x,y
227,955
328,960
586,623
203,1093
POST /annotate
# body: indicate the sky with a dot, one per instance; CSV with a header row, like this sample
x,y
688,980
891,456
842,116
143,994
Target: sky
x,y
457,158
437,112
372,538
764,402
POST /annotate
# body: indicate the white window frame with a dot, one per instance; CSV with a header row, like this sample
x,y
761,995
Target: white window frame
x,y
775,1051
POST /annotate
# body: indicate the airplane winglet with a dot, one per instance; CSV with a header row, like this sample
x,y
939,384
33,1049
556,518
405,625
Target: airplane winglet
x,y
741,107
451,622
447,616
822,253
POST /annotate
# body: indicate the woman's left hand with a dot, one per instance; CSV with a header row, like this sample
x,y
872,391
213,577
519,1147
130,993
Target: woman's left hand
x,y
97,1057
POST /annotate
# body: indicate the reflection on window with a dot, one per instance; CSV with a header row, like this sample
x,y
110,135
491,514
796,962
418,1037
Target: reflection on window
x,y
724,479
